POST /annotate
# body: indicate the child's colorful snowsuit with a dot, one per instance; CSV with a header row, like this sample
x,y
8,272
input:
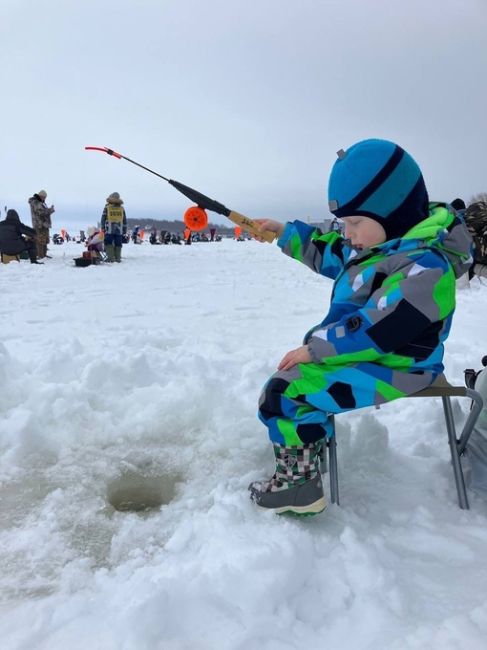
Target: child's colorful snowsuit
x,y
390,312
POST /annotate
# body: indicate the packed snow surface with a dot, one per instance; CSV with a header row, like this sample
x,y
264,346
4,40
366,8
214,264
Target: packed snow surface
x,y
128,436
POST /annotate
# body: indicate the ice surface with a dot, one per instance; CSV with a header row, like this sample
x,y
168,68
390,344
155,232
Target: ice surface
x,y
144,377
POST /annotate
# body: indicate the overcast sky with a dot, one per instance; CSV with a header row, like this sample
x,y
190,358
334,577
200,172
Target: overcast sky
x,y
245,100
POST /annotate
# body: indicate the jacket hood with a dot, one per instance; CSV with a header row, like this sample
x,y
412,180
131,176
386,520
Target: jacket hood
x,y
446,231
12,216
443,230
114,199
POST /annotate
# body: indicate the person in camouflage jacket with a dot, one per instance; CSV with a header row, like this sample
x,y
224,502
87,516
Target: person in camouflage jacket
x,y
41,221
391,310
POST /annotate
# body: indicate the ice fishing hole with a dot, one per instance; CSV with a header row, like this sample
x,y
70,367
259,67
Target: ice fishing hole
x,y
132,492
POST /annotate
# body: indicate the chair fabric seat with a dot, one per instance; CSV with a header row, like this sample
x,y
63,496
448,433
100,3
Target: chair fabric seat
x,y
441,388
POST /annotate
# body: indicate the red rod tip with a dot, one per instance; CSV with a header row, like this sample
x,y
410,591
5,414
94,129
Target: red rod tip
x,y
110,152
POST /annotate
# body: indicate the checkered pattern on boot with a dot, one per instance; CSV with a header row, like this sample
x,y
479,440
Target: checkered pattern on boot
x,y
294,466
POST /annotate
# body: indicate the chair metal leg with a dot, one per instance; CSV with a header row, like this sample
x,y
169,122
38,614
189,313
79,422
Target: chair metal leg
x,y
472,418
455,454
322,457
331,443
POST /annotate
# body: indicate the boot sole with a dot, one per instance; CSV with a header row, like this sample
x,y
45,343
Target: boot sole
x,y
302,511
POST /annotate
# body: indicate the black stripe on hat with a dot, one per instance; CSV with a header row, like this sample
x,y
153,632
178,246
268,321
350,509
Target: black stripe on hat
x,y
412,210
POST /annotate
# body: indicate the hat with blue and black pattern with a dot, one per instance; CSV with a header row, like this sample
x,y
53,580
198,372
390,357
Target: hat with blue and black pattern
x,y
378,179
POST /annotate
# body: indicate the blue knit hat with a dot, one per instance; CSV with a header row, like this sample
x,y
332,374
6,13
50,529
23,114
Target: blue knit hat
x,y
378,179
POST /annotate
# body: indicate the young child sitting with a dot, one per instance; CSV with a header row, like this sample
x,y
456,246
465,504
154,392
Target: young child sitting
x,y
391,310
94,243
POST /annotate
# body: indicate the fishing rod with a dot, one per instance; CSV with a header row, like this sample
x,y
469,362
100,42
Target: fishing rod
x,y
196,217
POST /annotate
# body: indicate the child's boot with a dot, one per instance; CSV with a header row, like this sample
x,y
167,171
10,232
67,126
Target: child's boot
x,y
118,253
296,485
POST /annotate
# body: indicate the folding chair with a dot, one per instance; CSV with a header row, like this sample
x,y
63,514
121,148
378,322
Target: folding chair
x,y
9,258
439,388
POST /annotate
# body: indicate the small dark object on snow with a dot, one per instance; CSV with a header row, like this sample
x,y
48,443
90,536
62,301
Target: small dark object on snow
x,y
86,261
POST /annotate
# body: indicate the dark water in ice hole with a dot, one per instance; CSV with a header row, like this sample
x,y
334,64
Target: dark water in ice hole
x,y
133,492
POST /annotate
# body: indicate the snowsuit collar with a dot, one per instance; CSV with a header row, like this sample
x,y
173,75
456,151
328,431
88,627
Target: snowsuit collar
x,y
443,231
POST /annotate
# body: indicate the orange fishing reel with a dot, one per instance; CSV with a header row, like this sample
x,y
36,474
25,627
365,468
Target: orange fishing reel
x,y
195,218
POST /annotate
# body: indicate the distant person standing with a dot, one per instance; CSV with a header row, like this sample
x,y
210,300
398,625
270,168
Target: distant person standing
x,y
153,236
114,225
41,221
335,226
135,235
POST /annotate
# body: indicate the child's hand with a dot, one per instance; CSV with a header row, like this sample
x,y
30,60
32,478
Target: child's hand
x,y
299,355
269,224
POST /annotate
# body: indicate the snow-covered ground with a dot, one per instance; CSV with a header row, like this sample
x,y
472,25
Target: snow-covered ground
x,y
138,383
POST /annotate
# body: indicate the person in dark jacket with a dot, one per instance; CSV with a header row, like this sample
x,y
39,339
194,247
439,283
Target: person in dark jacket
x,y
16,237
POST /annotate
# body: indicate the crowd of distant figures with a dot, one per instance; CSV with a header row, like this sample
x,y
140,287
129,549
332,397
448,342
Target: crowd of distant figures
x,y
105,242
138,236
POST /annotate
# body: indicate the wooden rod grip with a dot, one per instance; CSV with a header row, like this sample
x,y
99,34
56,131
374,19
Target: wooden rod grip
x,y
250,225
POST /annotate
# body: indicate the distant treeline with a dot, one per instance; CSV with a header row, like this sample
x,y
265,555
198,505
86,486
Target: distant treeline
x,y
174,226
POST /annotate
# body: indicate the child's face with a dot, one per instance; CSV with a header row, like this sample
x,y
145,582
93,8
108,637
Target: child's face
x,y
363,231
